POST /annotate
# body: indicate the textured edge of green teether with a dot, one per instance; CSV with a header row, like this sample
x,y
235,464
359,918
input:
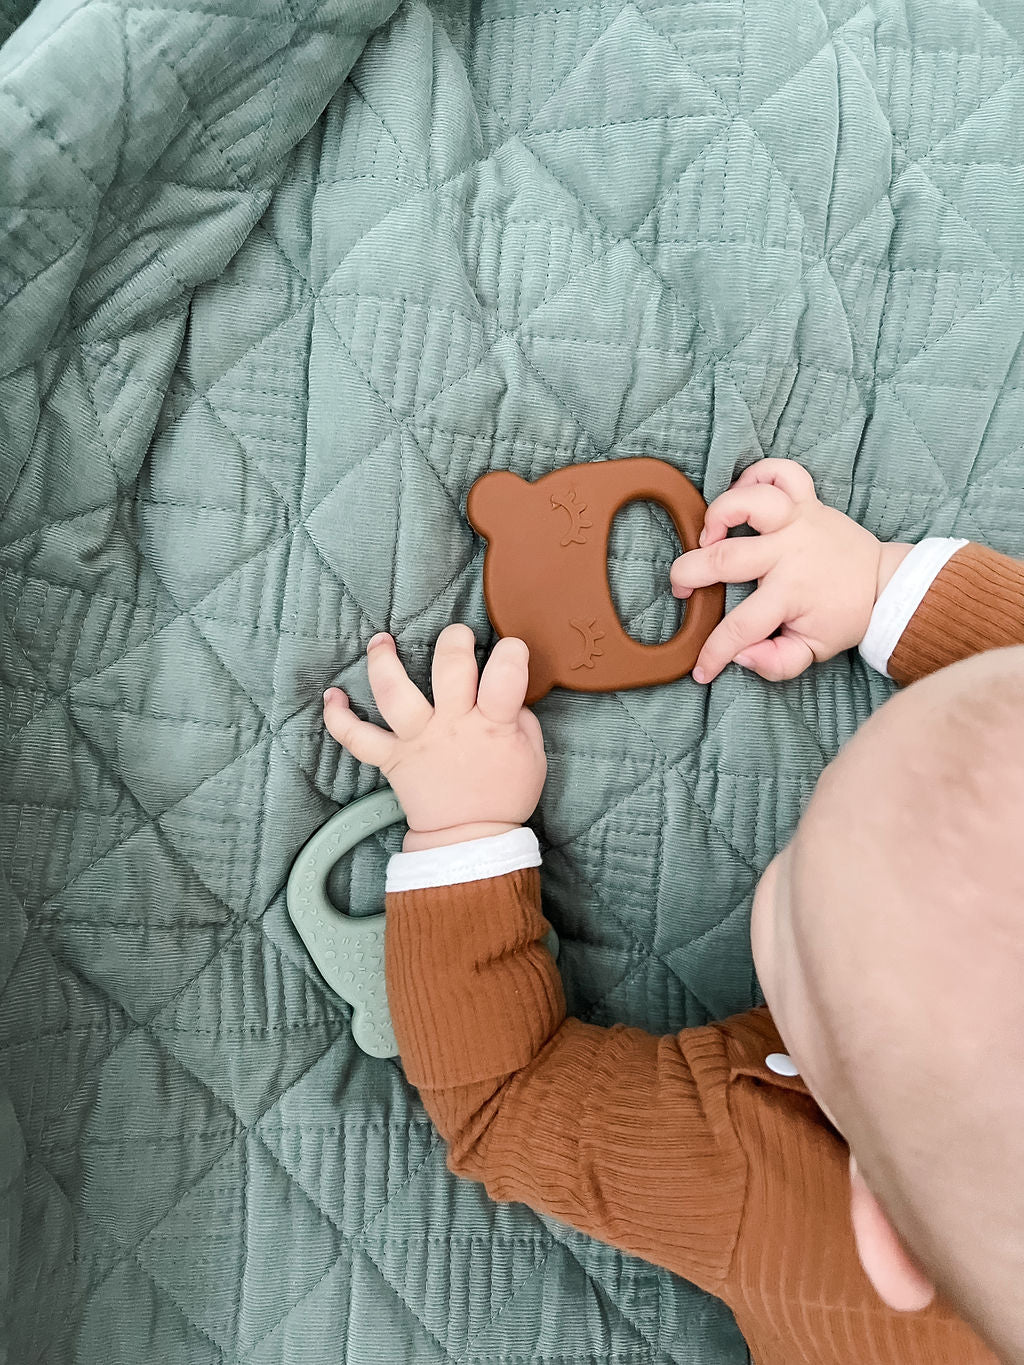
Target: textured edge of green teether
x,y
347,952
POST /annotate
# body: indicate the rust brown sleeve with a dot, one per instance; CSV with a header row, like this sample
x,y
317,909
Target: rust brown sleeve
x,y
976,603
624,1135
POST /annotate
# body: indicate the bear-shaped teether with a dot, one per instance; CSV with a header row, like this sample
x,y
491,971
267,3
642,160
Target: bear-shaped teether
x,y
546,572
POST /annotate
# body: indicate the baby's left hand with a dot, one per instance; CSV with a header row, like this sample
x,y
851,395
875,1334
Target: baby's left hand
x,y
819,575
468,766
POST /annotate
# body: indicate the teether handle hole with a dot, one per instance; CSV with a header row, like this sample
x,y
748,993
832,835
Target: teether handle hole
x,y
641,547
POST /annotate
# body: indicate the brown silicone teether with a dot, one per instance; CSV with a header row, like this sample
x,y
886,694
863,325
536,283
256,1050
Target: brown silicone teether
x,y
546,572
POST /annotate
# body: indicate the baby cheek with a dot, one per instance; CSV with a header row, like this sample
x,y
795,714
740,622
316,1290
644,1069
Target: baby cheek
x,y
761,936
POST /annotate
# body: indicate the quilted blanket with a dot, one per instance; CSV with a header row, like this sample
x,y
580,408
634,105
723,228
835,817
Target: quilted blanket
x,y
277,282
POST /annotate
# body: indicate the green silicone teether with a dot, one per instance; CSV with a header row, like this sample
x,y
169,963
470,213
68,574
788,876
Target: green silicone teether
x,y
349,952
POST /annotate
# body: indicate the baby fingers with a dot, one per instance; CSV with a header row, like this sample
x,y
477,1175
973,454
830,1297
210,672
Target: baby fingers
x,y
740,560
792,478
783,656
504,681
365,742
765,507
454,672
399,700
757,617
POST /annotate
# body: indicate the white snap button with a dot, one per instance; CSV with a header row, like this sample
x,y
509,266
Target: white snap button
x,y
781,1063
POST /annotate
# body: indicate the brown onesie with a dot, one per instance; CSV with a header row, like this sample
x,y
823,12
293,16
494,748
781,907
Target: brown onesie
x,y
687,1150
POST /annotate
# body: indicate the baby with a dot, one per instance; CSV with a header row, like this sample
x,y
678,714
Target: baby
x,y
822,1163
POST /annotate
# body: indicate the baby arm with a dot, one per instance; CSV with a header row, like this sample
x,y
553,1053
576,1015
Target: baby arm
x,y
973,603
826,584
624,1135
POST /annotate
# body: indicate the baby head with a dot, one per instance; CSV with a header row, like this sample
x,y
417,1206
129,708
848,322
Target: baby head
x,y
889,939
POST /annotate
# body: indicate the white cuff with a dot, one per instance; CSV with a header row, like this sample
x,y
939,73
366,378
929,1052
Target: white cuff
x,y
471,861
903,594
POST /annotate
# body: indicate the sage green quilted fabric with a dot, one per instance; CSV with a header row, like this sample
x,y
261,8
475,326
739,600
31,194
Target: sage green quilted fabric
x,y
277,282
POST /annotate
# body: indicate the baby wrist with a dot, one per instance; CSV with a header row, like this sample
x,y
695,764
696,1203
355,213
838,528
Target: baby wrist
x,y
890,558
416,841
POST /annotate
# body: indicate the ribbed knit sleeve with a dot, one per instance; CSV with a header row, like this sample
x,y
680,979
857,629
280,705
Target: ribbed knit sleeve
x,y
456,956
621,1134
975,603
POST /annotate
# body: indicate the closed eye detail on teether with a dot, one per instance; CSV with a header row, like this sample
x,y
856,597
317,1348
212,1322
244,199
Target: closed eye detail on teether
x,y
577,521
588,640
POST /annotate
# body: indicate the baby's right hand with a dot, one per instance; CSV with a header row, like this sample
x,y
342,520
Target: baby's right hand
x,y
469,766
819,575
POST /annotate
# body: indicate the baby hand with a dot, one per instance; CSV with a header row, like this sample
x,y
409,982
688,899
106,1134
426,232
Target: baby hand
x,y
472,764
819,574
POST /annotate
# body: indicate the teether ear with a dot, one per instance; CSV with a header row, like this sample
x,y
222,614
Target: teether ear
x,y
491,498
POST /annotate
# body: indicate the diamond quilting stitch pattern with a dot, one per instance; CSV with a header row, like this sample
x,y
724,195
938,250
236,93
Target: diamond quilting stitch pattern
x,y
309,274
